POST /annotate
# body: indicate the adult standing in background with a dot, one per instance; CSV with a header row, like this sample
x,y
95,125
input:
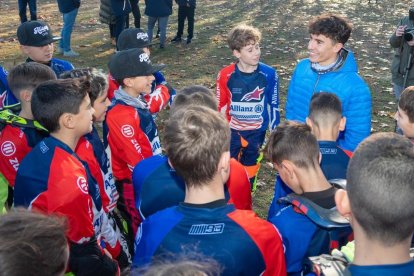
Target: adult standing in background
x,y
404,48
120,9
158,10
22,10
136,13
186,9
69,10
106,17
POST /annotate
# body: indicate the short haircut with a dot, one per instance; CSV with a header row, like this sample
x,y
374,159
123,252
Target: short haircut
x,y
195,139
406,102
32,244
51,99
194,95
294,142
333,26
380,184
243,35
97,79
27,76
325,110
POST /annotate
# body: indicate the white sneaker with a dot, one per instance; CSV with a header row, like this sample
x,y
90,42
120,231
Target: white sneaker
x,y
70,53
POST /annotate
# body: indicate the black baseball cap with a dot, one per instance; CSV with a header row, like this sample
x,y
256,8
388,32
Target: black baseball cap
x,y
132,63
133,38
35,33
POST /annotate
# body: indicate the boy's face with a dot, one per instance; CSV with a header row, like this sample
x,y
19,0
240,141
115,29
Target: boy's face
x,y
84,118
101,105
248,55
41,54
404,123
141,84
323,50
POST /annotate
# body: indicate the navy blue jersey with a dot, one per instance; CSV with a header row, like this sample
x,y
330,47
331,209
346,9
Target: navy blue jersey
x,y
406,269
240,241
334,160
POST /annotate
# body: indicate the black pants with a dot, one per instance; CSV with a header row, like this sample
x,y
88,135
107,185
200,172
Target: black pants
x,y
32,8
183,13
136,13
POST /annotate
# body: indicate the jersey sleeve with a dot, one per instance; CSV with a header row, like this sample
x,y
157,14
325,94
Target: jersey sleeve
x,y
158,98
266,238
238,185
223,92
273,96
112,86
14,148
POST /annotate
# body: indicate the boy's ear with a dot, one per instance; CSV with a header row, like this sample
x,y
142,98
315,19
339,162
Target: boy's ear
x,y
25,95
342,124
309,122
66,120
342,203
289,168
320,157
169,163
127,82
224,166
338,46
236,53
24,50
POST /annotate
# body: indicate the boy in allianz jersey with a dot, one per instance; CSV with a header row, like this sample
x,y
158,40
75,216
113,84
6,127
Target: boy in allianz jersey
x,y
247,93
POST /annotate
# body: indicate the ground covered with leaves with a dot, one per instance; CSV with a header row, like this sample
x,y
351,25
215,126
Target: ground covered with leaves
x,y
285,37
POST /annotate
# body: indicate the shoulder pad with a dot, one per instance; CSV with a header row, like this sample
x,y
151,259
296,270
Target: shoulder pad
x,y
325,218
8,118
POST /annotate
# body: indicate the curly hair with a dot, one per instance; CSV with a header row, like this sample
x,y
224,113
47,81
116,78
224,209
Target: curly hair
x,y
333,26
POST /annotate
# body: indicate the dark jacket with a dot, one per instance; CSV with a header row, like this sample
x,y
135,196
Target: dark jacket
x,y
120,7
192,3
402,52
66,6
105,12
158,8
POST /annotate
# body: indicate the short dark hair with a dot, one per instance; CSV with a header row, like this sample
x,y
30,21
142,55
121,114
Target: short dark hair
x,y
406,102
380,184
294,142
32,244
27,76
333,26
195,139
97,79
53,98
242,35
194,95
325,109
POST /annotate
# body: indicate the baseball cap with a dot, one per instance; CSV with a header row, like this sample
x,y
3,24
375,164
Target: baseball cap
x,y
133,38
132,63
35,33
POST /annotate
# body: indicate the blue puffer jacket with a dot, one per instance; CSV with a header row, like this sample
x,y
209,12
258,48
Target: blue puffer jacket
x,y
345,82
158,8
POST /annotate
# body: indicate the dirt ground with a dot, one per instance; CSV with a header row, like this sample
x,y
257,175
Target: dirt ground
x,y
285,37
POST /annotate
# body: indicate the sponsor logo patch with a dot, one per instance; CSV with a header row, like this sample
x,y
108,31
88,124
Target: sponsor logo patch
x,y
82,184
206,229
8,148
127,131
254,95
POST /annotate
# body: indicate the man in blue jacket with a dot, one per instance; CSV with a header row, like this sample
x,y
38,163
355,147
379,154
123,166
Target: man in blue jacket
x,y
158,10
331,68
